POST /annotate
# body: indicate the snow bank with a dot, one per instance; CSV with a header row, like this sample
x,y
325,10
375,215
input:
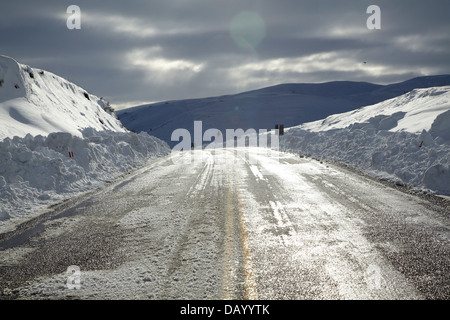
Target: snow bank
x,y
405,139
411,112
37,170
39,102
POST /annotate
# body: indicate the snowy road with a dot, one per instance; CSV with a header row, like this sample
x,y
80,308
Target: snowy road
x,y
234,226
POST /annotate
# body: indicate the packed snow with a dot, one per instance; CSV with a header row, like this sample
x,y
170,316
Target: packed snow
x,y
404,139
57,140
37,170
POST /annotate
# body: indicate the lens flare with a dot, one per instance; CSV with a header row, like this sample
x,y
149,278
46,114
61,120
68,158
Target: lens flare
x,y
247,29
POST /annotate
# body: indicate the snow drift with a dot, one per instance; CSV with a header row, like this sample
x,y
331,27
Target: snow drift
x,y
57,140
405,139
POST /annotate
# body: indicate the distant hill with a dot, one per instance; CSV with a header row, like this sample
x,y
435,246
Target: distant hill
x,y
289,104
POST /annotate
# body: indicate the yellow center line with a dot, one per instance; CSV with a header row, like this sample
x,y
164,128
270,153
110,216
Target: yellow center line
x,y
251,292
235,207
227,282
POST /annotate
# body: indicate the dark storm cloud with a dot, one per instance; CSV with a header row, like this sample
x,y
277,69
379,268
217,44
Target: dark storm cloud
x,y
137,51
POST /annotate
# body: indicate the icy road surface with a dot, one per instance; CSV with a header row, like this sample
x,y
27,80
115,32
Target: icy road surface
x,y
236,225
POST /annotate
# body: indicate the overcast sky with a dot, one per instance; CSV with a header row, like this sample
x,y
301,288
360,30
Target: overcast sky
x,y
134,52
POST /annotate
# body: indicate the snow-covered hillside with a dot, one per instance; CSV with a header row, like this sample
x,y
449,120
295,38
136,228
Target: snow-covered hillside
x,y
35,101
405,139
411,112
288,104
57,140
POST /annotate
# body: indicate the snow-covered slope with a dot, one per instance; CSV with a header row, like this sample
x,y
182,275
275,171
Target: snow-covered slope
x,y
413,112
288,104
39,102
57,140
405,139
